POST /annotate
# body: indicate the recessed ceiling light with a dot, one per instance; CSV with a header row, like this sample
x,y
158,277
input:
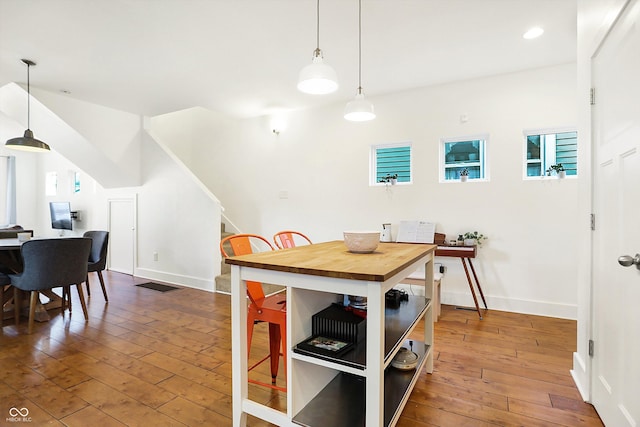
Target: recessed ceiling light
x,y
533,33
65,91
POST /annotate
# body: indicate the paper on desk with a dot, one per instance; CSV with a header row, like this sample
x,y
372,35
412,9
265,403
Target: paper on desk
x,y
416,232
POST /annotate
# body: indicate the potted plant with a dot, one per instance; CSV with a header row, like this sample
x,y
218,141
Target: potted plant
x,y
390,179
472,238
558,169
464,175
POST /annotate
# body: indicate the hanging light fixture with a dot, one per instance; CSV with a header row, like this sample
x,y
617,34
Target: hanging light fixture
x,y
27,142
317,78
359,110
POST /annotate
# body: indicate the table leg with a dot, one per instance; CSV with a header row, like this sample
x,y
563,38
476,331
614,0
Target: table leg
x,y
2,306
473,292
473,270
41,315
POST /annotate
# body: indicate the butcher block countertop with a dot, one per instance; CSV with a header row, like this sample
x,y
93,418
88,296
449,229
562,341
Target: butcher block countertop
x,y
332,259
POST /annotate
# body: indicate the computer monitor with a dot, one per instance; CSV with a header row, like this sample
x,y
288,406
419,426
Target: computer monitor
x,y
60,215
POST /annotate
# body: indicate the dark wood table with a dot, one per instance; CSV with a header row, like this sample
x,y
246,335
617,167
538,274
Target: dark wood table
x,y
465,253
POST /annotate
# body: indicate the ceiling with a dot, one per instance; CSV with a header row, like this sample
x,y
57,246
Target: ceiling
x,y
242,57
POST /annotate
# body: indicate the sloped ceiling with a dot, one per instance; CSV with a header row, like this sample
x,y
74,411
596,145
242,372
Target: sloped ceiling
x,y
242,57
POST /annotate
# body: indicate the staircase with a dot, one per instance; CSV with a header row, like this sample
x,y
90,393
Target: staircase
x,y
223,281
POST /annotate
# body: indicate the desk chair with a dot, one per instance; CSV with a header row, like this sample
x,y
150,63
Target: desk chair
x,y
48,264
287,239
97,258
271,309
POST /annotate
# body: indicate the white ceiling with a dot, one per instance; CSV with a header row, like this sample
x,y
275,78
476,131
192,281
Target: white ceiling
x,y
242,57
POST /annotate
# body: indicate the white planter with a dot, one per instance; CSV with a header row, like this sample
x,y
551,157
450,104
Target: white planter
x,y
463,178
562,174
469,242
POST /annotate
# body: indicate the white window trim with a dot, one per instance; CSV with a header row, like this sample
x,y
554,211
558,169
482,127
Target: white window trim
x,y
373,162
441,159
542,131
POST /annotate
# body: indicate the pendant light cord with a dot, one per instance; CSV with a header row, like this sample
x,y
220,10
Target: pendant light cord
x,y
359,46
318,25
28,98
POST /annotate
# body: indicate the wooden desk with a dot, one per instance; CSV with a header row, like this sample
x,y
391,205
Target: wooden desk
x,y
316,276
465,253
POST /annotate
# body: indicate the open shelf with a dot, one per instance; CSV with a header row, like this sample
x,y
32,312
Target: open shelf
x,y
398,323
342,401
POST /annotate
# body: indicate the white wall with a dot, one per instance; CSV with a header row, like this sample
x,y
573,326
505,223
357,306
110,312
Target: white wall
x,y
26,181
176,218
321,161
105,140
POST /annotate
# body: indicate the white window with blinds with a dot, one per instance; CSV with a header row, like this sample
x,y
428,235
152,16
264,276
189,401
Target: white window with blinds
x,y
391,161
546,147
464,155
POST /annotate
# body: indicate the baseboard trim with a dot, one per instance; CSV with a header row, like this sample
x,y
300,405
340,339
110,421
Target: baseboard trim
x,y
539,308
175,279
580,377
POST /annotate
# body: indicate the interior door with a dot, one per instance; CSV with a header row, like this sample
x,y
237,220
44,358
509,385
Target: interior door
x,y
616,289
122,232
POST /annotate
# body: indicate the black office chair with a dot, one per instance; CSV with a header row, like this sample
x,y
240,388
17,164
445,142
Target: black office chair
x,y
51,263
98,257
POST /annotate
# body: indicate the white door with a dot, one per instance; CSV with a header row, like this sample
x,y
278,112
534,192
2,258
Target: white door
x,y
616,289
122,232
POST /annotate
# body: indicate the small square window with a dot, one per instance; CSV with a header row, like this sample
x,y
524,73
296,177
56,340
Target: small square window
x,y
545,148
391,161
463,154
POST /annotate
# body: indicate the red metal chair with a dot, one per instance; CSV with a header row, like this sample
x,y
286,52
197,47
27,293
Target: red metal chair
x,y
271,309
287,239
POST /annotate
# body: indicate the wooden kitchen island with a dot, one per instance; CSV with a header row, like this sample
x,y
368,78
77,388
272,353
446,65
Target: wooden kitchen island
x,y
323,392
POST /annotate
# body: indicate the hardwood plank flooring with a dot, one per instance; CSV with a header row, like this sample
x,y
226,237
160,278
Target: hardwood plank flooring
x,y
153,358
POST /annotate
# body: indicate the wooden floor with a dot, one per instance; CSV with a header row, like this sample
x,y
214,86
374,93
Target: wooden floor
x,y
149,358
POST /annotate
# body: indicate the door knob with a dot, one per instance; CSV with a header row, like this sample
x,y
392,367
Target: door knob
x,y
628,260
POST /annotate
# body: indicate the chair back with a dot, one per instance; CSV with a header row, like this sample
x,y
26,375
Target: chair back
x,y
98,254
287,239
50,263
242,244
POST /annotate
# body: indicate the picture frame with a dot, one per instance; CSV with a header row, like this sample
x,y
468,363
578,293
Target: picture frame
x,y
326,346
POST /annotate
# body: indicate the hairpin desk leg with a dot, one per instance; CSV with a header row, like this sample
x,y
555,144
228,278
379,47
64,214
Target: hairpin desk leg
x,y
473,292
473,270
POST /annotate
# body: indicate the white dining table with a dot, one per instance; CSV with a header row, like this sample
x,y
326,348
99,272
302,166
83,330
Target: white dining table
x,y
10,244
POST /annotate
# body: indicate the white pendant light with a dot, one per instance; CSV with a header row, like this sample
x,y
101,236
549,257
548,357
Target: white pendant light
x,y
360,109
317,78
27,142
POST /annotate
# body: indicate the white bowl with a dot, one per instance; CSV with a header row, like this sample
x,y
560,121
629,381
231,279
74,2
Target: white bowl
x,y
361,242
